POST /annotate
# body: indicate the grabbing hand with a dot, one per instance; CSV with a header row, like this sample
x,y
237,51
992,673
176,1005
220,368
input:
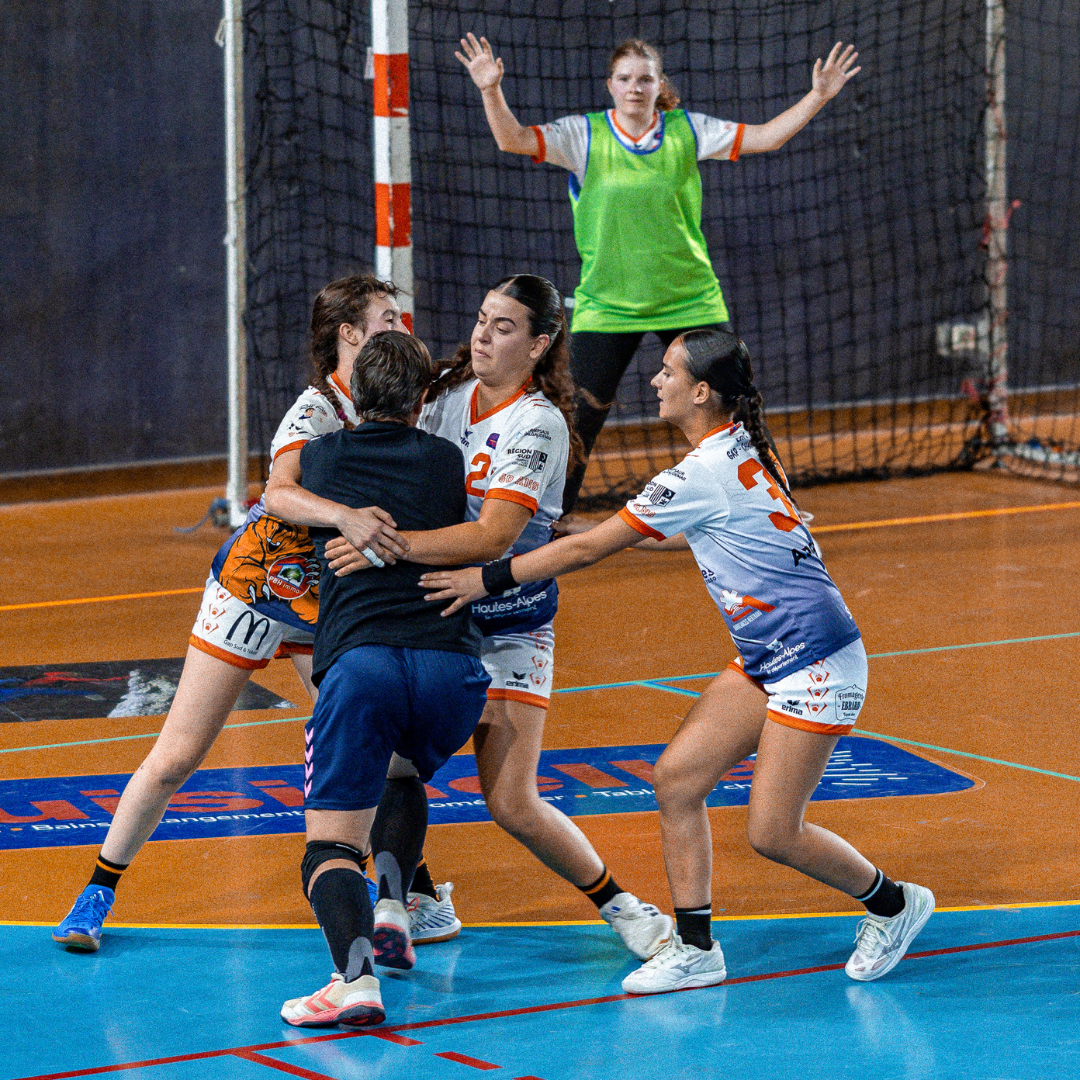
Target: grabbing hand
x,y
344,559
461,586
832,76
485,69
372,529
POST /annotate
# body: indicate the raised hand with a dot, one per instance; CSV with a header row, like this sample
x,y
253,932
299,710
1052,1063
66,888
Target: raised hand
x,y
831,77
483,66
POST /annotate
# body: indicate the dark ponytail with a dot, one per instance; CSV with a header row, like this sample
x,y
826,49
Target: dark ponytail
x,y
551,375
722,360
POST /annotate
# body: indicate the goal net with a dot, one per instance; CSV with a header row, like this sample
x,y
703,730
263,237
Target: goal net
x,y
853,259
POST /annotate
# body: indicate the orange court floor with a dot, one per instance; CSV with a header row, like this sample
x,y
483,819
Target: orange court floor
x,y
964,585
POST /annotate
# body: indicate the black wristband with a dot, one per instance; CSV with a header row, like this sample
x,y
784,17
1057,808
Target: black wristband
x,y
497,578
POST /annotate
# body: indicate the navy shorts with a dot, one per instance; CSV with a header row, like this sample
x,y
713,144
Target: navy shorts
x,y
376,700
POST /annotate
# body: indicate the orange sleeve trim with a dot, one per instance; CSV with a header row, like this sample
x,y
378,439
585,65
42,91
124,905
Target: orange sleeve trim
x,y
736,666
509,495
640,526
808,725
293,648
228,657
291,446
518,695
736,146
541,153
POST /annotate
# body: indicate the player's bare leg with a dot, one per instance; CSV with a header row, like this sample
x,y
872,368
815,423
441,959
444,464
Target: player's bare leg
x,y
507,742
789,767
722,728
205,696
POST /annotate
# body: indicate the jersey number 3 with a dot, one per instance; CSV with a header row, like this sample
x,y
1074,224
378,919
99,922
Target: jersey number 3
x,y
481,463
749,471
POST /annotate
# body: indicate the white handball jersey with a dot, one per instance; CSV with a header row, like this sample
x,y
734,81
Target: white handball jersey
x,y
517,451
565,142
759,561
313,415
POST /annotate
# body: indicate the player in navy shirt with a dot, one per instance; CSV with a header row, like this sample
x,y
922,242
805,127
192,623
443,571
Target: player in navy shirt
x,y
400,689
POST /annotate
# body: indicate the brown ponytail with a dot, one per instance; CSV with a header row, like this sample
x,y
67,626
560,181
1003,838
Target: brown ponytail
x,y
343,301
668,97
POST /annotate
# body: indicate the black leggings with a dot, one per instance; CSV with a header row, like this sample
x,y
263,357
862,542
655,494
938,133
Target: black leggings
x,y
598,362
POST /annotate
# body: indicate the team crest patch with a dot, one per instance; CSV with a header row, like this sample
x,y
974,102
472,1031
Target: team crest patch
x,y
290,578
849,702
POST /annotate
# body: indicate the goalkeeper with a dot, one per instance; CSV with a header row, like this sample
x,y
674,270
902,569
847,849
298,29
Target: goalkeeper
x,y
635,192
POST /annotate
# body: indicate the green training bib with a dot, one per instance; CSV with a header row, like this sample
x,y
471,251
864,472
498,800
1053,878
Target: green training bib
x,y
637,225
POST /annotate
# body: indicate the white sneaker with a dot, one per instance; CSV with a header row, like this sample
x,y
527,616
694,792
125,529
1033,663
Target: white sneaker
x,y
390,938
433,920
643,928
357,1003
881,943
677,967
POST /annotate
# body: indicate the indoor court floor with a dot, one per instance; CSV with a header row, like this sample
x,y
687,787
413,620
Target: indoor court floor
x,y
962,775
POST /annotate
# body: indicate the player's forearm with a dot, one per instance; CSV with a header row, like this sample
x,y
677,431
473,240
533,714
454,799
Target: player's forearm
x,y
510,135
761,138
469,542
561,557
291,502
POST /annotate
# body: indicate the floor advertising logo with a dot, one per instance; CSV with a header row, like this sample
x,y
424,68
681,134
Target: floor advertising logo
x,y
269,799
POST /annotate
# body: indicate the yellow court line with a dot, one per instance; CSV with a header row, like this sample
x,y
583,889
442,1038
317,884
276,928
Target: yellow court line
x,y
101,599
818,529
960,516
569,922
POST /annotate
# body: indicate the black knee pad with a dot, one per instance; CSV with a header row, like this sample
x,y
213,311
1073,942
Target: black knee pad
x,y
319,851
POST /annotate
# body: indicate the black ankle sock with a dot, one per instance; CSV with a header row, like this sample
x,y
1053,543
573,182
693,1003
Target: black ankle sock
x,y
694,926
421,881
603,889
397,835
343,910
108,873
884,897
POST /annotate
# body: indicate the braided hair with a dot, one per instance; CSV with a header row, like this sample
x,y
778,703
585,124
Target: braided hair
x,y
551,375
722,360
343,301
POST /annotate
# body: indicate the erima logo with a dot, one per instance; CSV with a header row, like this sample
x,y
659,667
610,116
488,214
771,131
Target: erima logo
x,y
518,674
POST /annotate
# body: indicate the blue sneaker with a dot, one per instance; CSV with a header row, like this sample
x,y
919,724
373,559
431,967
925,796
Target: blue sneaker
x,y
373,890
82,927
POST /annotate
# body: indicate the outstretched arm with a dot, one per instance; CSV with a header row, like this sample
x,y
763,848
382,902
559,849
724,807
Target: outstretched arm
x,y
486,71
559,557
829,79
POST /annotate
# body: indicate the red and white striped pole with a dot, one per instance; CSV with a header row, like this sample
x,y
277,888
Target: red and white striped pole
x,y
393,170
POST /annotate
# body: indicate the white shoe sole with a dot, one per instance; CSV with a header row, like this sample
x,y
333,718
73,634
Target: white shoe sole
x,y
440,935
687,982
909,937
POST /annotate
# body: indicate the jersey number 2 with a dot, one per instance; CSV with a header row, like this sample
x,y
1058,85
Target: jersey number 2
x,y
481,463
748,477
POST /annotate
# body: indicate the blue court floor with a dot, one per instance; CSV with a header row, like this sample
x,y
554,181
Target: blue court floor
x,y
991,994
